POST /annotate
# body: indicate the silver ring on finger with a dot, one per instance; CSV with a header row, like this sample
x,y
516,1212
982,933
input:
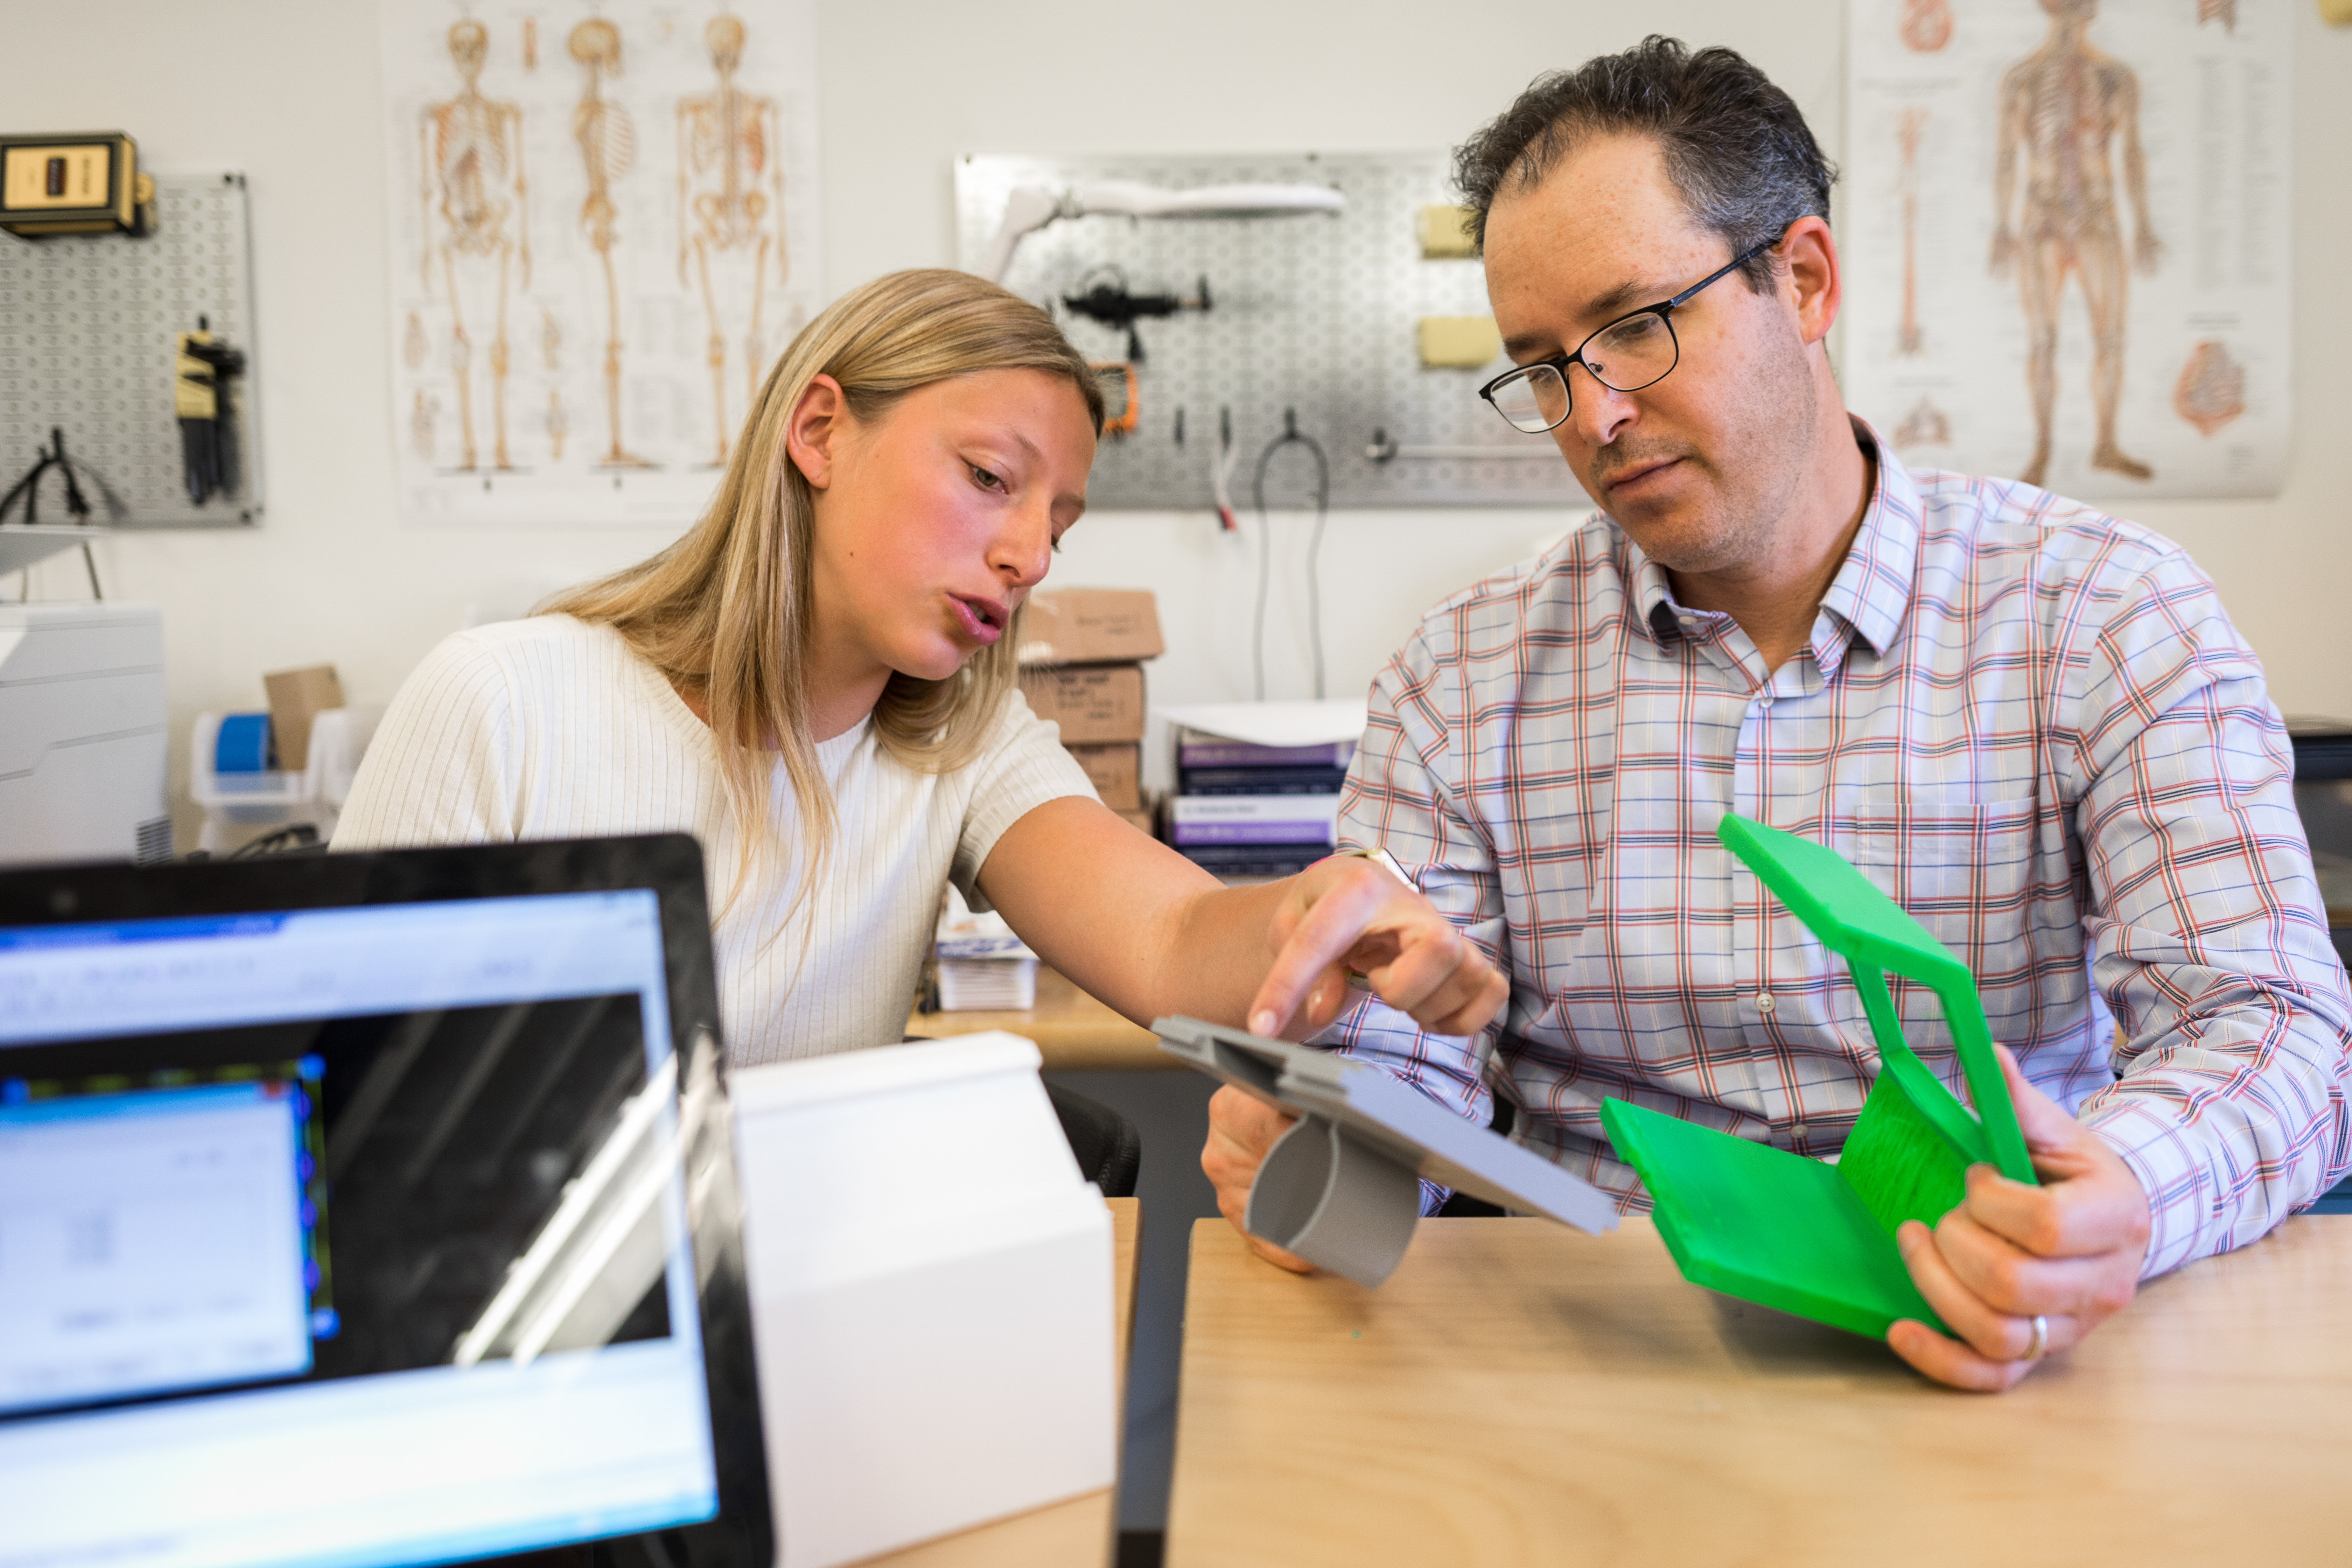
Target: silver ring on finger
x,y
2041,1341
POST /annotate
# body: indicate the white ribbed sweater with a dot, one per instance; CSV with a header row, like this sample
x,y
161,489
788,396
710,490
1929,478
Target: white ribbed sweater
x,y
549,728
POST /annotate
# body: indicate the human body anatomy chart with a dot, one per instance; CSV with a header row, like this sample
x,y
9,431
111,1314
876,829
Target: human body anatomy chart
x,y
2068,232
604,229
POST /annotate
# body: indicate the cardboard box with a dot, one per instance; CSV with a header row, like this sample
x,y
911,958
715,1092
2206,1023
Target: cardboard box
x,y
1091,626
1116,772
297,697
1093,703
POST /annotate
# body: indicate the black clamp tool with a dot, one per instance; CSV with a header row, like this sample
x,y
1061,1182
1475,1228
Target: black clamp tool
x,y
1110,302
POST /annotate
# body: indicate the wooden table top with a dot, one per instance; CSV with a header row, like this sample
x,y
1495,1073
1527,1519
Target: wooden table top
x,y
1518,1392
1073,1032
1083,1530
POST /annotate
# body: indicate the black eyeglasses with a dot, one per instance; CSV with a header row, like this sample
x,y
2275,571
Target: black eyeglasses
x,y
1631,352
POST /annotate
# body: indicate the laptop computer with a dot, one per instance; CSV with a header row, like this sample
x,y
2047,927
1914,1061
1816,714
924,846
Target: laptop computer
x,y
371,1209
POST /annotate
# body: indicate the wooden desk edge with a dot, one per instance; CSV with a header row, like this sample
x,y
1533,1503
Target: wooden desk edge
x,y
1073,1032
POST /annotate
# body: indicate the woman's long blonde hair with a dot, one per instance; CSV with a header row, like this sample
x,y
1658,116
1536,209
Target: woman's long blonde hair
x,y
725,613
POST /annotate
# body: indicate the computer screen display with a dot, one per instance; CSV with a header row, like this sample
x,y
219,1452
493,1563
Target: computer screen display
x,y
345,1235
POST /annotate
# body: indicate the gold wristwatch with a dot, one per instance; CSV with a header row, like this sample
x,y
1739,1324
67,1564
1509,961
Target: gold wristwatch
x,y
1383,859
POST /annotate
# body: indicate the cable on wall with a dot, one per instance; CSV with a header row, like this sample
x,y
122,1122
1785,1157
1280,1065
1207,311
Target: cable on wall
x,y
1291,436
1220,471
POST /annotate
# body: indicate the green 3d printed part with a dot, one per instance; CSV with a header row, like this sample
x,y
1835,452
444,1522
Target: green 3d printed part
x,y
1791,1233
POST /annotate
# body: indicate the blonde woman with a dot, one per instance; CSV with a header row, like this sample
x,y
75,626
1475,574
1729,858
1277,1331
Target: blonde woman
x,y
817,682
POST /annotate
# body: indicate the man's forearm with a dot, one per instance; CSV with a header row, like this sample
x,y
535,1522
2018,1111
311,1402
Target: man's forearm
x,y
2234,1120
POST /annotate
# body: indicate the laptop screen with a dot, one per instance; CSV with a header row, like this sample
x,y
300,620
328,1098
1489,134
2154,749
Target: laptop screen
x,y
345,1235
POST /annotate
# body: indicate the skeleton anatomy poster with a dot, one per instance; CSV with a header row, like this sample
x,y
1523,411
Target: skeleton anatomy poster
x,y
2066,232
604,231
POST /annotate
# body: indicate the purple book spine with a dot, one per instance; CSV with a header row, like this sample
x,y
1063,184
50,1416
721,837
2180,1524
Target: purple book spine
x,y
1250,833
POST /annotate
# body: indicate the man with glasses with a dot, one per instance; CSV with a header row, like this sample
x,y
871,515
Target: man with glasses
x,y
2031,723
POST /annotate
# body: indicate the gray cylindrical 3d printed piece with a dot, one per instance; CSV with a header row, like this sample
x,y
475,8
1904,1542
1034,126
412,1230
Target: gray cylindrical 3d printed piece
x,y
1335,1200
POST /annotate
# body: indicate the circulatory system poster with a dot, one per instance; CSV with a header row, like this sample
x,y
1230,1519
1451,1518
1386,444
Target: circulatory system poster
x,y
2067,234
604,231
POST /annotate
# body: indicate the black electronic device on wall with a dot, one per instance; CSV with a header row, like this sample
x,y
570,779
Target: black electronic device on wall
x,y
75,183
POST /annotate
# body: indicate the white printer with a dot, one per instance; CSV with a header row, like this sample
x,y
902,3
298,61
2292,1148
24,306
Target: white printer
x,y
82,742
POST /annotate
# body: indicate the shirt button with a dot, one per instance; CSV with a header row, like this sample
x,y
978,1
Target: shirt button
x,y
1764,1002
1798,1130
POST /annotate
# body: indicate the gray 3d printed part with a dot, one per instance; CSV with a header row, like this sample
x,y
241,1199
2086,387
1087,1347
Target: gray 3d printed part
x,y
1341,1188
1334,1200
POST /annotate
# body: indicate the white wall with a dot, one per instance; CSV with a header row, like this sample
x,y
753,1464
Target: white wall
x,y
288,90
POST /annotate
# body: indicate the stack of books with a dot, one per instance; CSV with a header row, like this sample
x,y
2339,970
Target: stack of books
x,y
1244,810
979,964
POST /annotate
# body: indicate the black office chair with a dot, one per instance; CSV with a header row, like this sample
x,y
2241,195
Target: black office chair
x,y
1109,1149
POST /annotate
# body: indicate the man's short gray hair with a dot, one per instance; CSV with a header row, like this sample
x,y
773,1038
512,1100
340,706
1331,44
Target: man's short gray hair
x,y
1736,147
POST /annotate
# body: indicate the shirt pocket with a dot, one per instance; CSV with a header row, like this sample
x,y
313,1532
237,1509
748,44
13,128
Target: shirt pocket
x,y
1967,872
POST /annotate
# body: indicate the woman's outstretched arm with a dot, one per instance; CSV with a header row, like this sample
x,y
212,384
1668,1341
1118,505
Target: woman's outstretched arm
x,y
1135,924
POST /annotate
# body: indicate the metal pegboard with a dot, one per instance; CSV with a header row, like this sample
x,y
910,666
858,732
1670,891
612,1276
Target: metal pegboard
x,y
1317,313
86,326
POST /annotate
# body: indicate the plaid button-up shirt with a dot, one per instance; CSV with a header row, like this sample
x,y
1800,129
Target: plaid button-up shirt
x,y
2031,724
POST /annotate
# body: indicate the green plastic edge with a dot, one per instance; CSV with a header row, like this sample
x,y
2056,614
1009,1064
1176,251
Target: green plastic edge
x,y
1867,929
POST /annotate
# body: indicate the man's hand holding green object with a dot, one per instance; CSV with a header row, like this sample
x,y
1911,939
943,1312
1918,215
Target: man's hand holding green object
x,y
2068,1252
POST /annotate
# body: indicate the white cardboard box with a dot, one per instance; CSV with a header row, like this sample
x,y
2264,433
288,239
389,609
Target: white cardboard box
x,y
931,1295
